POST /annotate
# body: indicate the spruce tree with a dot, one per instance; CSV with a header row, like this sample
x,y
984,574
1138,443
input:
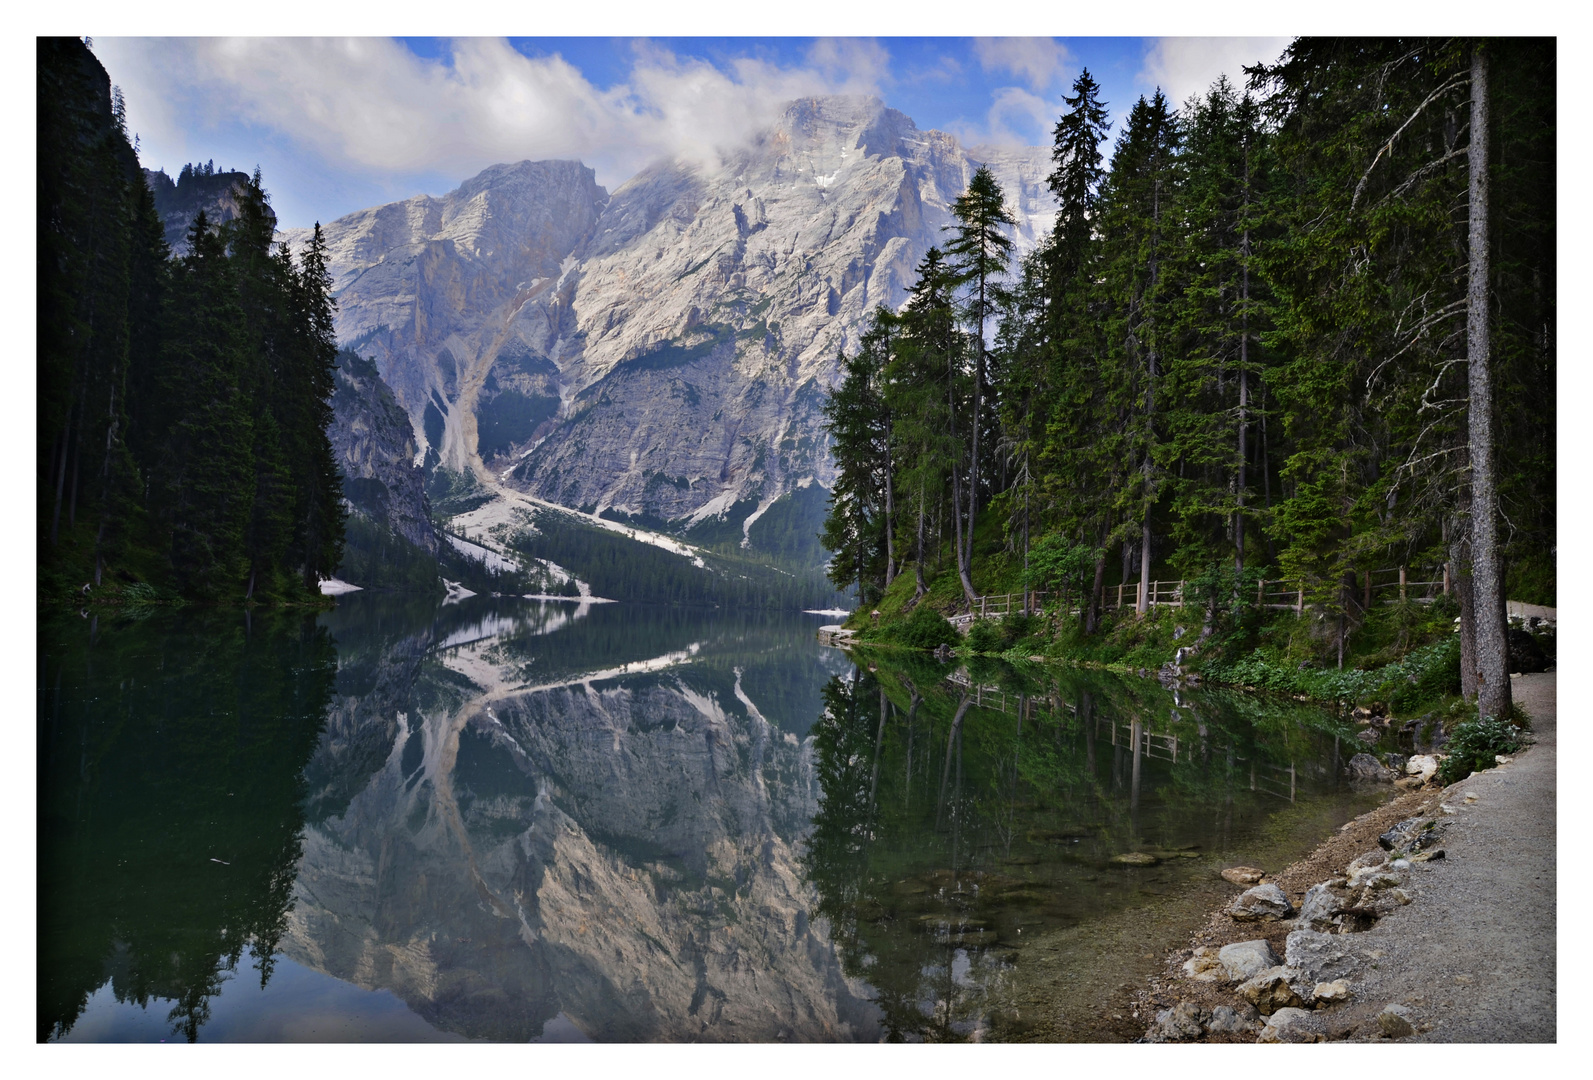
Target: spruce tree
x,y
978,256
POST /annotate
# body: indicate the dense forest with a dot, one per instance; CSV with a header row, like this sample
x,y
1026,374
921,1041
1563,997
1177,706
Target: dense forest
x,y
1303,330
182,403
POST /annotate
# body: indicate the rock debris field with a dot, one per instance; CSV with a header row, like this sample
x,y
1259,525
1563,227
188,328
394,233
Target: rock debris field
x,y
1429,919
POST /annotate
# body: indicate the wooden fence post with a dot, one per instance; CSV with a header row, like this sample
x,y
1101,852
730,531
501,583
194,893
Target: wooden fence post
x,y
1402,584
1367,605
1299,603
1261,592
1446,579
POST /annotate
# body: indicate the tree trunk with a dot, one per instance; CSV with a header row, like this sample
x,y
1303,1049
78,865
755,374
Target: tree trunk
x,y
1143,603
1244,405
1460,581
60,477
1094,612
1493,662
918,559
890,519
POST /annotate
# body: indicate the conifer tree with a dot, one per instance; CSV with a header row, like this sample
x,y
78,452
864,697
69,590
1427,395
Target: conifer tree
x,y
978,255
1136,219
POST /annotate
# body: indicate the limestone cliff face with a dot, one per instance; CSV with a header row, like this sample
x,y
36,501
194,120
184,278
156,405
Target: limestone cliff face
x,y
374,446
664,351
179,202
437,289
614,850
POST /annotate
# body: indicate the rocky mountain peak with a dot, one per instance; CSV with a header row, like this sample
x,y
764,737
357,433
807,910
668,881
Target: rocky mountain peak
x,y
663,351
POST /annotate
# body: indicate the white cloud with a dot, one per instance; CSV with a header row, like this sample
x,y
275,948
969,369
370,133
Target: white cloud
x,y
1040,62
1183,67
371,106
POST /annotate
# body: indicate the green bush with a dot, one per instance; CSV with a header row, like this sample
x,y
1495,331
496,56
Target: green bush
x,y
984,636
924,628
1016,626
1474,745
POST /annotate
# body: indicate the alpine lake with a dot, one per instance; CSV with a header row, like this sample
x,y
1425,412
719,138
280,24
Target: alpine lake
x,y
502,819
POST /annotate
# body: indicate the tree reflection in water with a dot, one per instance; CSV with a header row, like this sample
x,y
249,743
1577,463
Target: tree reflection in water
x,y
959,824
170,802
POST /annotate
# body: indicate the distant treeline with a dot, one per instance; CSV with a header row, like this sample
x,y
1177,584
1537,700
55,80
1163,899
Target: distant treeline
x,y
182,404
619,568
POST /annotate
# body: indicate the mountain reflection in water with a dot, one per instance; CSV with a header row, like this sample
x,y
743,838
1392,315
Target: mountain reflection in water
x,y
533,821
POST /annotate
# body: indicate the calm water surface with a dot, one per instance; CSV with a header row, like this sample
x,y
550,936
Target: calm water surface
x,y
507,820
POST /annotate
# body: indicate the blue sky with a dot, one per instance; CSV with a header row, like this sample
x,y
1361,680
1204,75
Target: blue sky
x,y
340,124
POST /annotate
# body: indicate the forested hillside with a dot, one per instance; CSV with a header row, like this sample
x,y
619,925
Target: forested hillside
x,y
1303,330
182,403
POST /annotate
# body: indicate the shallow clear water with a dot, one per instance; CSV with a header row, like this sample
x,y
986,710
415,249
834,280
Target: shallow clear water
x,y
508,820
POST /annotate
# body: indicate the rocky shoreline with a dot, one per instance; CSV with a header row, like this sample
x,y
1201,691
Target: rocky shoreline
x,y
1430,918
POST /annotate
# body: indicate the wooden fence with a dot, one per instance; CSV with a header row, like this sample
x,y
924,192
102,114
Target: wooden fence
x,y
1388,586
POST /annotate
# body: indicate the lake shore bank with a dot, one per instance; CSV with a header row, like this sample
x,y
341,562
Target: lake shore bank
x,y
1461,948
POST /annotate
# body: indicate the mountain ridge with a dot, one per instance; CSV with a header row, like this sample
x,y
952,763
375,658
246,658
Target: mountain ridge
x,y
662,351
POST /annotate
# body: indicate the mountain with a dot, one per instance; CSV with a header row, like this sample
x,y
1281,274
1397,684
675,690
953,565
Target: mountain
x,y
659,354
391,541
195,189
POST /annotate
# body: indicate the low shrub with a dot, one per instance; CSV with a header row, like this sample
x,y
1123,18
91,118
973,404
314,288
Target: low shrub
x,y
1475,745
984,636
924,628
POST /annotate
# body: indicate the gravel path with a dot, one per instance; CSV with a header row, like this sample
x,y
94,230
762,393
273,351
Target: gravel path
x,y
1472,957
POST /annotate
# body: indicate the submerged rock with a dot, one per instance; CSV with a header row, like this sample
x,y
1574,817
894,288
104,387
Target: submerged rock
x,y
1364,768
1135,858
1243,875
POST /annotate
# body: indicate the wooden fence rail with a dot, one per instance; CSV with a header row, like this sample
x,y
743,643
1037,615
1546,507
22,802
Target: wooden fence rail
x,y
1171,594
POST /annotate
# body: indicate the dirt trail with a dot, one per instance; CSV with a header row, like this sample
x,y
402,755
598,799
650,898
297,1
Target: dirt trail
x,y
1472,957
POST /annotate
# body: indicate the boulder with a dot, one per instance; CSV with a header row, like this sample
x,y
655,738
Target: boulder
x,y
1226,1021
1319,907
1526,655
1428,856
1291,1025
1243,875
1330,993
1186,1020
1411,835
1319,957
1246,959
1361,862
1271,990
1369,736
1262,903
1364,768
1374,878
1394,1022
1205,966
1422,766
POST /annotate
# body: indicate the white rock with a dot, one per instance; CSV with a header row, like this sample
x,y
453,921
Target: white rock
x,y
1245,959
